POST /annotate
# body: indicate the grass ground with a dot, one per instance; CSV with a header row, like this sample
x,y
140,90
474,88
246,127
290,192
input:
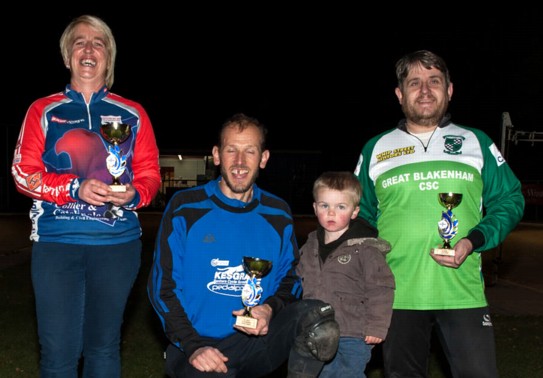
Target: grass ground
x,y
519,339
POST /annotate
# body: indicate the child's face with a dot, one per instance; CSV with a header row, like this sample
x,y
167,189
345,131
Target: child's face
x,y
334,209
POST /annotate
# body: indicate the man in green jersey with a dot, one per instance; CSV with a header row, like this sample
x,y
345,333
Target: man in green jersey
x,y
403,171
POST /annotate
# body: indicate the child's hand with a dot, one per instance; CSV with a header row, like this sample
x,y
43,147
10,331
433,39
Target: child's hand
x,y
373,340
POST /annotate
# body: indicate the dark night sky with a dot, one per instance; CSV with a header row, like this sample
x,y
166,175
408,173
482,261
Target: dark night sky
x,y
324,72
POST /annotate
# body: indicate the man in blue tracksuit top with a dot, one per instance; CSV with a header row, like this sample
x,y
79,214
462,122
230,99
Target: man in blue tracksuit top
x,y
197,276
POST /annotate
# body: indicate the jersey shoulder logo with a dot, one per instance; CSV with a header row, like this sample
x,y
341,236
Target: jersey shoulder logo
x,y
453,144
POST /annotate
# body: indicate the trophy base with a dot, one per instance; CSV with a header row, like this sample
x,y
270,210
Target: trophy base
x,y
118,188
444,251
246,321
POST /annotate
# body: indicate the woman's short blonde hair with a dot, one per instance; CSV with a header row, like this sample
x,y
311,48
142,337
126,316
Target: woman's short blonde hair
x,y
67,39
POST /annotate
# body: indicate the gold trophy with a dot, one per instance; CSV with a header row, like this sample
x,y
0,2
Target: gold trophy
x,y
252,291
448,225
115,133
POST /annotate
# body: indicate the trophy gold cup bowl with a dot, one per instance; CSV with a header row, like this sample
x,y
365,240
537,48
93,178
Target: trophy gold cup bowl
x,y
115,133
448,225
256,268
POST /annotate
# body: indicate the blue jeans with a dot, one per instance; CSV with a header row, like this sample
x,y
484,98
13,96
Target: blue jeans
x,y
81,293
350,361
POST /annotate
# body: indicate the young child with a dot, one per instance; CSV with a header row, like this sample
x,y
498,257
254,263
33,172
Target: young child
x,y
343,263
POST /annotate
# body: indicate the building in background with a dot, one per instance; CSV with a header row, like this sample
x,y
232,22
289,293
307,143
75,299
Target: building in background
x,y
288,174
183,170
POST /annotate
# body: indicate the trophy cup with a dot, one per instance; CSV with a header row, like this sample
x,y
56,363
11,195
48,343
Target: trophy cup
x,y
448,225
252,291
115,133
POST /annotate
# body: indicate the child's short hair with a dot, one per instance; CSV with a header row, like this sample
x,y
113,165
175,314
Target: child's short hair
x,y
344,181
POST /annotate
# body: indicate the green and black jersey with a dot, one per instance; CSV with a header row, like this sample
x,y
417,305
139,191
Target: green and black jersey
x,y
401,180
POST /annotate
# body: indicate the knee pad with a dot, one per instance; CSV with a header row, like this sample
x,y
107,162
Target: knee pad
x,y
318,333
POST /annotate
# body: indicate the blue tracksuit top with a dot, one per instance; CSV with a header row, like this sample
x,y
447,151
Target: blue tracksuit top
x,y
197,275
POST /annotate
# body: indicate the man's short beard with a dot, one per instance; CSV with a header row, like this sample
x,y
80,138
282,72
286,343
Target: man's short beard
x,y
238,189
425,120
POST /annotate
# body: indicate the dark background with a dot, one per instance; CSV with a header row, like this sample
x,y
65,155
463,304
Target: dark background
x,y
320,77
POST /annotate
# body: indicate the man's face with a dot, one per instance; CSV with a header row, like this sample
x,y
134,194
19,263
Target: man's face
x,y
425,96
240,159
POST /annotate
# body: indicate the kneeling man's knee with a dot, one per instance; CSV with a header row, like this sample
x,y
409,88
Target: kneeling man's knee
x,y
318,332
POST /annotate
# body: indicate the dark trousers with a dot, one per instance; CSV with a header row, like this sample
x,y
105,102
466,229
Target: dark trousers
x,y
466,336
250,356
81,292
